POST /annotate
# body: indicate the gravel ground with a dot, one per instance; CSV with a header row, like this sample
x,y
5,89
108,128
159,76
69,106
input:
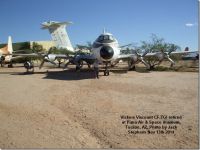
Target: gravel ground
x,y
66,109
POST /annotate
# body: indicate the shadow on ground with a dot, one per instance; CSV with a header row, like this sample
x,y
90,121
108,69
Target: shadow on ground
x,y
72,74
62,74
77,75
69,74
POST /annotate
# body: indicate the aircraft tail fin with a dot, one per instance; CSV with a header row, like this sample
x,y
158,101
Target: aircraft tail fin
x,y
10,47
7,50
59,34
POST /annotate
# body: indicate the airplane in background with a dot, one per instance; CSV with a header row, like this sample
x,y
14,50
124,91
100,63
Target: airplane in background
x,y
6,54
5,51
191,56
59,36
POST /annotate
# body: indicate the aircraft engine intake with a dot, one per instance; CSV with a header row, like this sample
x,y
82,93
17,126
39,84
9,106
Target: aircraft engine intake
x,y
106,52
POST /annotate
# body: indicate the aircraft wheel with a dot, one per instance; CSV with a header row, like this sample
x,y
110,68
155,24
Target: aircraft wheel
x,y
106,73
132,68
10,66
89,66
80,63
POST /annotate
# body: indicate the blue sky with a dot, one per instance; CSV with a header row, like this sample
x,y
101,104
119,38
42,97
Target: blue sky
x,y
128,20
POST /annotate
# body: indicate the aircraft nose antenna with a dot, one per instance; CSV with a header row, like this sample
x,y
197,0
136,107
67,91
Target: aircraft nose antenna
x,y
106,52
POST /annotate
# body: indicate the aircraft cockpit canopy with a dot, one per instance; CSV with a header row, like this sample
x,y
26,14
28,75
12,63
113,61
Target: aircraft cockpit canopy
x,y
105,39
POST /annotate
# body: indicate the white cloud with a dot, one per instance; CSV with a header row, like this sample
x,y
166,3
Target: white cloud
x,y
189,24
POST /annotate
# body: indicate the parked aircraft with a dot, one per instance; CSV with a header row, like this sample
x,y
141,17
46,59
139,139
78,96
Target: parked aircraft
x,y
105,49
5,54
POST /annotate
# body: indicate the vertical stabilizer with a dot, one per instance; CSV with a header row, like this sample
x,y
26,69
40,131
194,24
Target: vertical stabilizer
x,y
59,34
10,48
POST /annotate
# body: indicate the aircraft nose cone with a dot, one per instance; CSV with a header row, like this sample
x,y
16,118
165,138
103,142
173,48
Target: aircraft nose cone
x,y
106,52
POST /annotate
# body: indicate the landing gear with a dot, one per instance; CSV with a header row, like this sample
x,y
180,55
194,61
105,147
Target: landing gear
x,y
29,67
78,68
2,60
106,71
59,63
131,65
10,65
89,66
2,64
132,68
80,64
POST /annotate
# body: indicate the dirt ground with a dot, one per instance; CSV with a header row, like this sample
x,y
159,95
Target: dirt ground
x,y
66,109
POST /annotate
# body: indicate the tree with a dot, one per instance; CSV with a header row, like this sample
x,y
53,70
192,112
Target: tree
x,y
84,49
37,47
55,50
157,44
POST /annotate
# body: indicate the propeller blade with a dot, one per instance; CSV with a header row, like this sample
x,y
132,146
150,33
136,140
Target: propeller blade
x,y
128,45
137,53
145,53
42,63
145,63
172,62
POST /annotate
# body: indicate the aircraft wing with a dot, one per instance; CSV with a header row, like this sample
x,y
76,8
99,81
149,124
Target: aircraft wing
x,y
17,57
26,55
78,60
125,56
56,56
172,53
157,57
60,56
132,59
85,57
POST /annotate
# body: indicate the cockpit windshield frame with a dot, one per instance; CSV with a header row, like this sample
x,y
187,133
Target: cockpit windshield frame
x,y
105,39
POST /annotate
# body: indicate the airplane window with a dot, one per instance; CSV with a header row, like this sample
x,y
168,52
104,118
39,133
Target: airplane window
x,y
100,38
106,37
111,38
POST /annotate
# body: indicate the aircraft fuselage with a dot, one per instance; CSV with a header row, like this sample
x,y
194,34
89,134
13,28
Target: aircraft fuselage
x,y
106,48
